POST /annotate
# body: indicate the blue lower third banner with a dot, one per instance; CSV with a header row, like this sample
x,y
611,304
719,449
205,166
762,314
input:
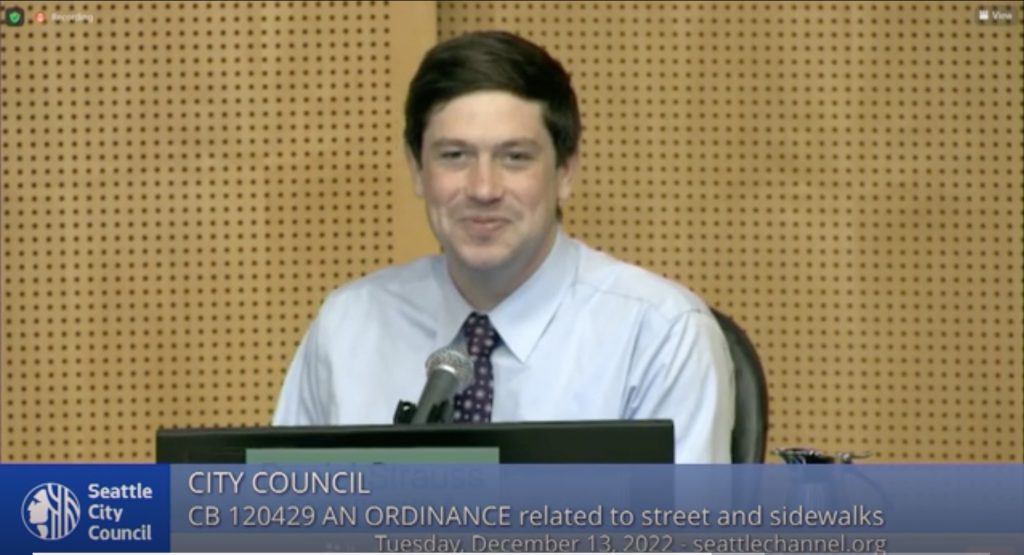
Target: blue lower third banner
x,y
260,508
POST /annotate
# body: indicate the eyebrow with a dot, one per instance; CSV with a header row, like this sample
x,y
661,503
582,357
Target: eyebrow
x,y
511,143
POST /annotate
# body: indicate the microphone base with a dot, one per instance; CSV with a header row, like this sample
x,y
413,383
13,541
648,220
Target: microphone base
x,y
404,412
439,414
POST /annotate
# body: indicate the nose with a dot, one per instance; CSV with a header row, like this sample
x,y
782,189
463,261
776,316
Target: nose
x,y
484,182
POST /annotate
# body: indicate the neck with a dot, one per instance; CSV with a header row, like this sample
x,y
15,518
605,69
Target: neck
x,y
486,289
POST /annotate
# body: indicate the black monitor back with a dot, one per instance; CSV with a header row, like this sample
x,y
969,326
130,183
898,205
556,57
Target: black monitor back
x,y
599,441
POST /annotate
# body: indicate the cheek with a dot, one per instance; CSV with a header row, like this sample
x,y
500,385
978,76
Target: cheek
x,y
439,188
541,192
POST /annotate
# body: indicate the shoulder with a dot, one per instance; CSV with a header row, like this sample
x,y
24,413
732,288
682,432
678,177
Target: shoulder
x,y
395,285
615,281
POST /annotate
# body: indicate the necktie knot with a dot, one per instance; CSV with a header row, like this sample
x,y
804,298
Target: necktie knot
x,y
481,337
475,403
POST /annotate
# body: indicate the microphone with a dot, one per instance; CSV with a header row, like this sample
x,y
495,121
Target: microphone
x,y
449,371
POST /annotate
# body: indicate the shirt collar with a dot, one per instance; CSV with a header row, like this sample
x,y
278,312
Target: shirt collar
x,y
453,310
522,317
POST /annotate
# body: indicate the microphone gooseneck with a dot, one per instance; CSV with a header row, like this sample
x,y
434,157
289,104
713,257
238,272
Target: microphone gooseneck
x,y
449,371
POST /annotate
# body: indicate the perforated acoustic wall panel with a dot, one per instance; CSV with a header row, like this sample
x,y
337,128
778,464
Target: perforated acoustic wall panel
x,y
844,178
182,184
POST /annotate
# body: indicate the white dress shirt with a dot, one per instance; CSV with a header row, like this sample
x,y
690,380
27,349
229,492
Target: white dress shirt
x,y
586,337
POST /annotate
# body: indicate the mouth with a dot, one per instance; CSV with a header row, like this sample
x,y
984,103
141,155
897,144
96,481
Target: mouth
x,y
483,224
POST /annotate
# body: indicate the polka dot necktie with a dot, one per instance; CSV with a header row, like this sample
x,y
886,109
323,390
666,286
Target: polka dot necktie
x,y
475,402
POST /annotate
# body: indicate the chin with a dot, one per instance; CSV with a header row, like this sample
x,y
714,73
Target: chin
x,y
483,264
482,260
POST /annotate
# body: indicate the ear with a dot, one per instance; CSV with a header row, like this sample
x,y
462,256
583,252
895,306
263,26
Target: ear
x,y
415,171
566,176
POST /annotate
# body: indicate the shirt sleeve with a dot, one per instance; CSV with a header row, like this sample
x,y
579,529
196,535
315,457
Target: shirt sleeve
x,y
688,378
302,401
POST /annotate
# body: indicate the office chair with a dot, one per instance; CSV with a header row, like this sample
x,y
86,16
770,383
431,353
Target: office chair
x,y
751,426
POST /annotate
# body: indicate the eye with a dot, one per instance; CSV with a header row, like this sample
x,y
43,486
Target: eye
x,y
452,155
518,156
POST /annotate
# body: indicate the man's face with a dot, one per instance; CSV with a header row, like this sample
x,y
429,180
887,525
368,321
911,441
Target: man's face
x,y
491,184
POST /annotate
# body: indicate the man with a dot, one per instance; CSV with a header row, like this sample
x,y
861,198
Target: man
x,y
557,330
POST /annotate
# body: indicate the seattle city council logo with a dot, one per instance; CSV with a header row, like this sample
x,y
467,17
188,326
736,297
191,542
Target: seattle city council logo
x,y
51,511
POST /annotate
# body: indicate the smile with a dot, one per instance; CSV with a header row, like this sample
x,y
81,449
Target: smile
x,y
483,225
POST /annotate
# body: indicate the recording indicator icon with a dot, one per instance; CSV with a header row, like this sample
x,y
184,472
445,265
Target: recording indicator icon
x,y
40,17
